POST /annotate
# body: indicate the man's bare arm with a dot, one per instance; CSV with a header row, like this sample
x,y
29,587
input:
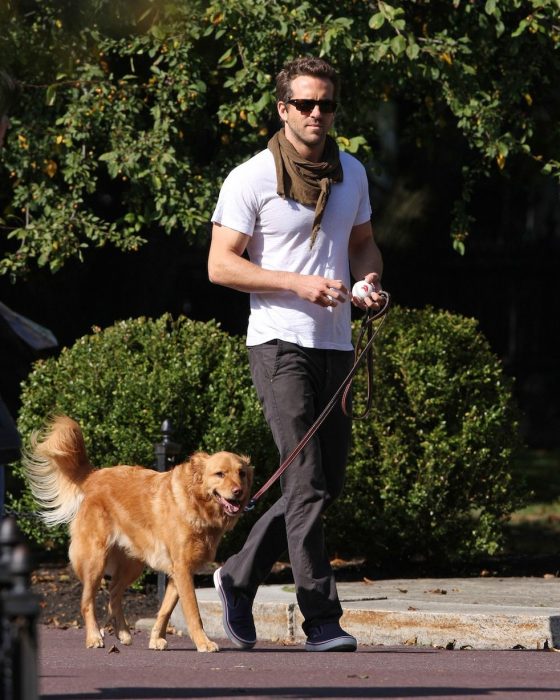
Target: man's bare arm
x,y
228,267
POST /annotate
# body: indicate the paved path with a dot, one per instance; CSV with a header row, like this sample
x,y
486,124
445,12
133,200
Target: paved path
x,y
68,671
499,634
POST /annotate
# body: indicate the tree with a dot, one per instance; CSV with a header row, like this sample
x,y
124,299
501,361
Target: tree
x,y
130,113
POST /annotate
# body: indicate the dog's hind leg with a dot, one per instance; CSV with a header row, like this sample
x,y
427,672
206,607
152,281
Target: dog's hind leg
x,y
157,636
124,570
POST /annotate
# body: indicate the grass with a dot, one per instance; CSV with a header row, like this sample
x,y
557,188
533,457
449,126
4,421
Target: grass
x,y
535,529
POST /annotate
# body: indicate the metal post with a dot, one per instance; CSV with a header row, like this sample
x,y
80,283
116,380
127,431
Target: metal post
x,y
10,443
165,452
19,610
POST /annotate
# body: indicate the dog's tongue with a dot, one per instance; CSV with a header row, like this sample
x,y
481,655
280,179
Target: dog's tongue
x,y
230,508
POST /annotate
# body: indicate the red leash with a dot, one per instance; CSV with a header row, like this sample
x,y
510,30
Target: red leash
x,y
344,388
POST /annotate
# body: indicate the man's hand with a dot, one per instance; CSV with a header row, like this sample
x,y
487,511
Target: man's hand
x,y
374,301
319,290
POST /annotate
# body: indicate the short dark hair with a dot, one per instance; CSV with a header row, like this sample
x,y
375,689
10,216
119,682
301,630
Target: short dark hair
x,y
305,65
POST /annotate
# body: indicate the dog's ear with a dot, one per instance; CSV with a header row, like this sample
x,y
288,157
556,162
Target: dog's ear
x,y
246,462
196,465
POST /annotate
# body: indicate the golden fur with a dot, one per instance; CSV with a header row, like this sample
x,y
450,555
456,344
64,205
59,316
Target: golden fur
x,y
124,517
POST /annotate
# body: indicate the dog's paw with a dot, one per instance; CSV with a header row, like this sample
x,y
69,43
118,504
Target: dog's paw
x,y
208,646
95,642
125,638
158,644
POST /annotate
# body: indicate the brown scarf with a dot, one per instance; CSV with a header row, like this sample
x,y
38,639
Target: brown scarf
x,y
302,180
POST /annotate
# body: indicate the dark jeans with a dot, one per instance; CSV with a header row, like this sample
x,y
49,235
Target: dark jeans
x,y
294,384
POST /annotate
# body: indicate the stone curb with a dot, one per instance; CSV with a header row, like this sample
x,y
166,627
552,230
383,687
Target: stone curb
x,y
410,614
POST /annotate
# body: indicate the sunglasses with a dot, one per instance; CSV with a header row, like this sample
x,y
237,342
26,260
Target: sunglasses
x,y
307,106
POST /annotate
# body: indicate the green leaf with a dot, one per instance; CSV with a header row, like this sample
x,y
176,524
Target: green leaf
x,y
263,102
50,95
412,51
459,246
376,21
521,28
398,44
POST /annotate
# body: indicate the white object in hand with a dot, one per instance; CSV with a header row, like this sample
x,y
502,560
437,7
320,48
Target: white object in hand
x,y
362,289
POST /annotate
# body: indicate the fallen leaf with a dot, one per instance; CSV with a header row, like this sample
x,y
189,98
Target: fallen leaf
x,y
114,650
367,580
402,590
439,591
337,563
466,646
410,607
411,642
518,646
450,645
357,675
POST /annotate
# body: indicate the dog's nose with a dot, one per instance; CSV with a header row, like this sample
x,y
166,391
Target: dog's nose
x,y
237,492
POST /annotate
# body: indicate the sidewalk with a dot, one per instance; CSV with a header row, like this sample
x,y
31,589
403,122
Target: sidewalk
x,y
482,613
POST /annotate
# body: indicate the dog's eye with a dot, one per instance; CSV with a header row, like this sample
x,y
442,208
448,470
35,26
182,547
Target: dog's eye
x,y
220,475
242,473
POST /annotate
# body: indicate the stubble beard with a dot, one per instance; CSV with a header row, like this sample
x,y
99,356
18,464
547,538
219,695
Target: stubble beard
x,y
307,138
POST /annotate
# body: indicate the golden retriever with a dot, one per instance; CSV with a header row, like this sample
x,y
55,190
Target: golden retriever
x,y
124,517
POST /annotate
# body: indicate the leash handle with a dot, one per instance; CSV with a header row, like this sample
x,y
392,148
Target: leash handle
x,y
367,324
367,352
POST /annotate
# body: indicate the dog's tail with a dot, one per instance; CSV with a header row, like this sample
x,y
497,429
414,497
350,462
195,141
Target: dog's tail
x,y
56,465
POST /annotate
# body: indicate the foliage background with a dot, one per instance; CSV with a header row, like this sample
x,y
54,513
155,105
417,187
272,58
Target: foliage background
x,y
129,114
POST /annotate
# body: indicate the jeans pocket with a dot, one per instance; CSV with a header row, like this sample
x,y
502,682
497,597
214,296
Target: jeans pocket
x,y
263,361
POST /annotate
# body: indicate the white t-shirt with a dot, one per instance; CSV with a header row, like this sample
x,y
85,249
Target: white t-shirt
x,y
280,231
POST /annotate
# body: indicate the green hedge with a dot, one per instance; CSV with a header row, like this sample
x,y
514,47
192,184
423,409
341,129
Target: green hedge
x,y
429,470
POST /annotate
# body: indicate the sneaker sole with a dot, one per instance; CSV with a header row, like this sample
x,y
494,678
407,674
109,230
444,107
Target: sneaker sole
x,y
240,643
338,644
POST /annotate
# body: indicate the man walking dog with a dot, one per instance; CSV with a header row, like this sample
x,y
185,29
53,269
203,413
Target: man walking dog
x,y
301,211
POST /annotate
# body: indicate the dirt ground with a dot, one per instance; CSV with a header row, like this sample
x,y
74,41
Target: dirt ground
x,y
59,594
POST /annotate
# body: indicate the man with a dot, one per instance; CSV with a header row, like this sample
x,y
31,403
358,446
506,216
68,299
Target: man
x,y
301,211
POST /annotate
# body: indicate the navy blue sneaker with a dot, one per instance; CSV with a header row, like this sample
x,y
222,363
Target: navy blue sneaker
x,y
238,615
330,637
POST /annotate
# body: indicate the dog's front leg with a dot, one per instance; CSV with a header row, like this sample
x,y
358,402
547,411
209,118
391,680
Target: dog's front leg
x,y
185,585
159,630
